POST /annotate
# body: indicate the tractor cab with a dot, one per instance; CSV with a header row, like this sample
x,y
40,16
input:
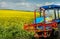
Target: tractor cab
x,y
45,25
48,17
48,14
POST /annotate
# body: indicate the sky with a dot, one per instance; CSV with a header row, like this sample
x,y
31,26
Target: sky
x,y
26,4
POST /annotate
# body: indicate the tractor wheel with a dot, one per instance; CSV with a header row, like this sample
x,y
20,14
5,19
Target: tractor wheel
x,y
54,34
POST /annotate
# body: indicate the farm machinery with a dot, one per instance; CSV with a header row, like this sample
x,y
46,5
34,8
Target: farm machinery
x,y
45,26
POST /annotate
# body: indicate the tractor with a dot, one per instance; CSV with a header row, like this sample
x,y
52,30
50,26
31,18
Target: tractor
x,y
46,25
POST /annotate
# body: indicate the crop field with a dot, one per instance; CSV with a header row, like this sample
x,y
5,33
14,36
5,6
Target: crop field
x,y
12,22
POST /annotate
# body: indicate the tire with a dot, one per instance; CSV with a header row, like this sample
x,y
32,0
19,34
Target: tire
x,y
54,34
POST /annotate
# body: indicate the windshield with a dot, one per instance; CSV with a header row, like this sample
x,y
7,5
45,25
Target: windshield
x,y
49,13
49,16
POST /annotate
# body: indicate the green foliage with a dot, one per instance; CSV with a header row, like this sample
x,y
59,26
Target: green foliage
x,y
11,28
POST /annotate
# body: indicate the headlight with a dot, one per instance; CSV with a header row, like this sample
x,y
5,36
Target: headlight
x,y
48,28
40,27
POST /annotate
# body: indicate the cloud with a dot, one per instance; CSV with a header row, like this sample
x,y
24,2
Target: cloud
x,y
23,4
27,5
58,3
3,4
14,1
7,5
19,5
49,3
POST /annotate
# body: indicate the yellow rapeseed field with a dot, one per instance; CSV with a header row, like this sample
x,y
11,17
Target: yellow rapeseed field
x,y
16,13
16,17
12,22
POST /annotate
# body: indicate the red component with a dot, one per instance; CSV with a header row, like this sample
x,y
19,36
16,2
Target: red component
x,y
25,26
54,25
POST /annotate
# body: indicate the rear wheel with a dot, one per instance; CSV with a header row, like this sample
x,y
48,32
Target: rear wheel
x,y
54,34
